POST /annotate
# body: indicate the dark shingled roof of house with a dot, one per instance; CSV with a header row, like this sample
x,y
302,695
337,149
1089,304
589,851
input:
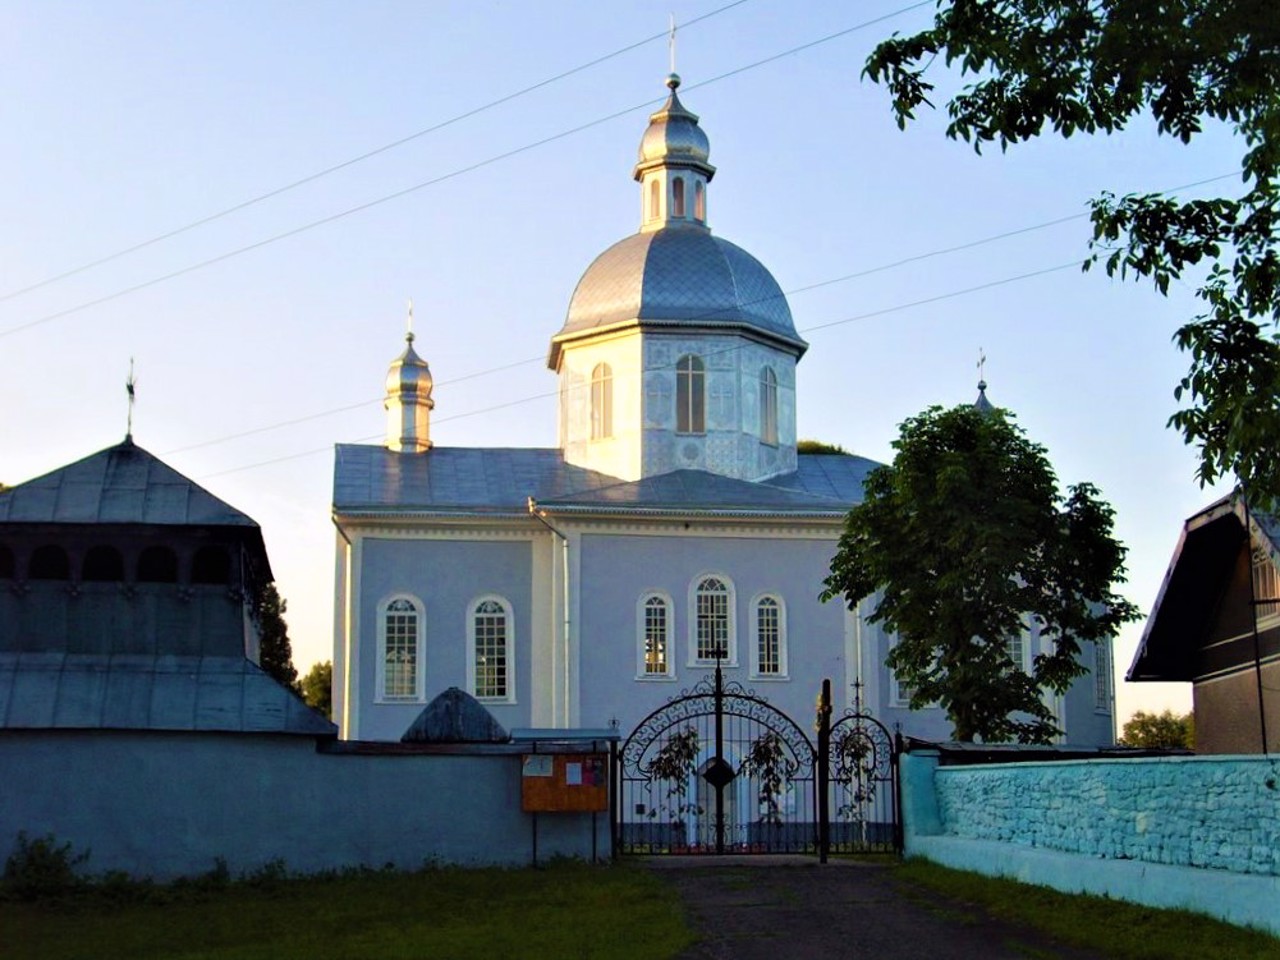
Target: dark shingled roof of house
x,y
375,480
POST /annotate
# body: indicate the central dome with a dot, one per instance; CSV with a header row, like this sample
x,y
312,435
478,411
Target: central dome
x,y
683,275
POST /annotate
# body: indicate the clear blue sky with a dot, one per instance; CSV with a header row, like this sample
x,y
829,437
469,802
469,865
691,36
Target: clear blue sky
x,y
127,120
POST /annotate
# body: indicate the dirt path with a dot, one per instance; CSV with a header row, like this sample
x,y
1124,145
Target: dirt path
x,y
776,908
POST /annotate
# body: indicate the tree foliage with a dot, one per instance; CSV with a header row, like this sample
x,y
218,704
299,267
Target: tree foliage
x,y
1092,66
275,653
316,687
1159,731
818,446
966,539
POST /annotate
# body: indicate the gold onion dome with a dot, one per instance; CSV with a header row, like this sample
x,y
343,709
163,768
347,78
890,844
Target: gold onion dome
x,y
409,373
674,138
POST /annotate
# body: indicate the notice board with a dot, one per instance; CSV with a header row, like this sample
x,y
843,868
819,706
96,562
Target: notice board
x,y
564,782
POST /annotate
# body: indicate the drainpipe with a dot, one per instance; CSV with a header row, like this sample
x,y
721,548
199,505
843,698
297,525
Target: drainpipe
x,y
541,517
346,632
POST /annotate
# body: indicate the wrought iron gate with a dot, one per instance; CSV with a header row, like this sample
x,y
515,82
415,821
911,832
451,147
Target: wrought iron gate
x,y
717,769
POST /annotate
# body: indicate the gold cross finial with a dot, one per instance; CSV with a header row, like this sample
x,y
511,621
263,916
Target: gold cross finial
x,y
982,364
409,323
671,43
129,385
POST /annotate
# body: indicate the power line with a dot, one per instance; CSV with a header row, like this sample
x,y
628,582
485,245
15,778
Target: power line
x,y
552,393
310,178
387,198
904,261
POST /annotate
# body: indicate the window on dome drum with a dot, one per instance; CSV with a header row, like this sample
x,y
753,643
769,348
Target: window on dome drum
x,y
770,640
699,201
691,395
49,563
712,620
401,631
655,199
677,197
655,624
1266,583
601,402
491,650
768,406
1102,676
102,564
212,565
158,565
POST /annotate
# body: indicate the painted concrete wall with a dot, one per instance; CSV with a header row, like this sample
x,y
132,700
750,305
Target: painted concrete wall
x,y
1196,832
166,805
446,576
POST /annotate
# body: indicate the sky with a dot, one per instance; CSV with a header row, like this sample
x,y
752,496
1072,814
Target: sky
x,y
261,336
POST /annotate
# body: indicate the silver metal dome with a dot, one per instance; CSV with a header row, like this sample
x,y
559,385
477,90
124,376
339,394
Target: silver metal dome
x,y
680,275
673,138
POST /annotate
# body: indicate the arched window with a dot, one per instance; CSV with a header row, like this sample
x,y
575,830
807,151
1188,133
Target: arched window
x,y
769,643
699,201
677,197
102,564
691,395
158,565
8,568
601,402
212,564
654,635
49,563
768,406
713,622
655,199
489,662
400,626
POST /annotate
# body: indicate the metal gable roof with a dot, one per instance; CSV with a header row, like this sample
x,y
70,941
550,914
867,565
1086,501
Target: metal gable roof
x,y
121,484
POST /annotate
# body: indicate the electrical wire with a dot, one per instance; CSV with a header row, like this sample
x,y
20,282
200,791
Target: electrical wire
x,y
434,181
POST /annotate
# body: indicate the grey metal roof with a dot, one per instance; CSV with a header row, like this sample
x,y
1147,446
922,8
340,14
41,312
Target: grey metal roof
x,y
680,275
43,691
455,716
121,484
478,481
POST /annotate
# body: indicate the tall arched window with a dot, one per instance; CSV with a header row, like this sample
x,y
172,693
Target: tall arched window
x,y
601,402
102,563
654,635
489,661
677,197
49,563
770,638
691,395
713,621
699,201
655,199
768,406
212,565
400,628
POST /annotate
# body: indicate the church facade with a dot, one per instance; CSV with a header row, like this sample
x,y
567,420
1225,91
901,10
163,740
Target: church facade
x,y
674,526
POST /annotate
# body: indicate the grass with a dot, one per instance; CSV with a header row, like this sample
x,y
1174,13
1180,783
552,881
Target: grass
x,y
1112,928
566,911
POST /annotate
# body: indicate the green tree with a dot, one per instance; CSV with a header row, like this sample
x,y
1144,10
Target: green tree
x,y
963,537
1092,66
818,446
1166,730
275,653
317,687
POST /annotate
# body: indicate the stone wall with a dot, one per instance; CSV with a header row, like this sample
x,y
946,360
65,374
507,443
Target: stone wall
x,y
1221,813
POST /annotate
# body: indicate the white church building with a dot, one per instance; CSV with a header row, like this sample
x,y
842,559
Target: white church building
x,y
584,585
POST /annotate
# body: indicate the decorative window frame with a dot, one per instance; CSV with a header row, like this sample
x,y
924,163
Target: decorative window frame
x,y
642,625
602,401
768,406
678,205
731,599
1024,640
691,382
756,603
419,684
1103,673
509,640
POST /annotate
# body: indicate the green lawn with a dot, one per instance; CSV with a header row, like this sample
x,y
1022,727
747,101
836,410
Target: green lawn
x,y
1113,928
565,911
